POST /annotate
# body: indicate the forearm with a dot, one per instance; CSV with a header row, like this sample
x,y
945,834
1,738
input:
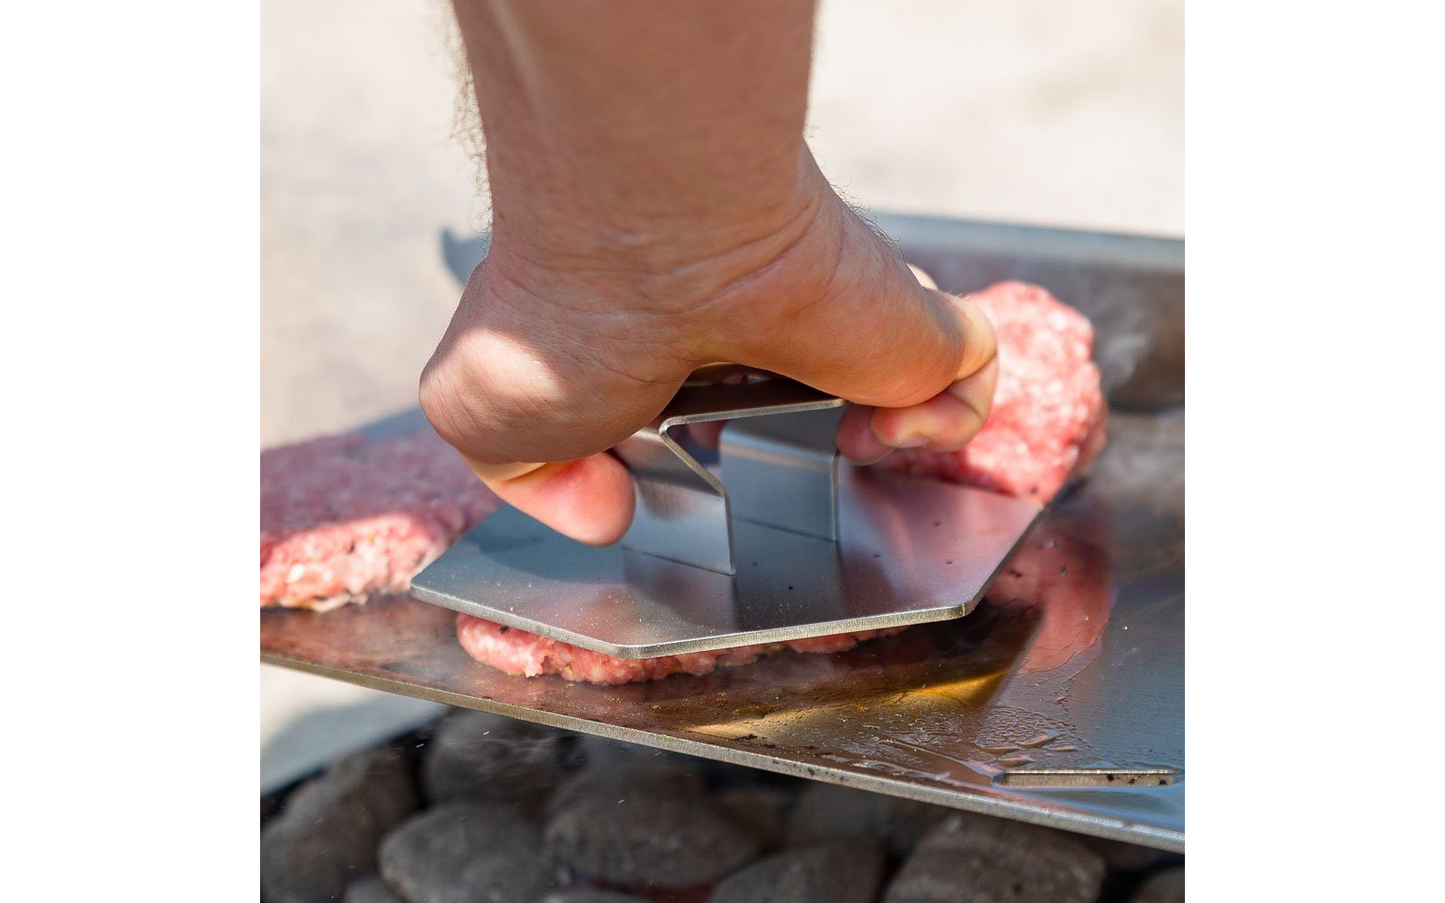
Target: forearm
x,y
645,130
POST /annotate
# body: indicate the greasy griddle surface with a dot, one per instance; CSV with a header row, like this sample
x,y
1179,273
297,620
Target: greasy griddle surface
x,y
1083,677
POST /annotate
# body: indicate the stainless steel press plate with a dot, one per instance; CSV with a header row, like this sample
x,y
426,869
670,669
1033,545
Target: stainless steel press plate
x,y
909,551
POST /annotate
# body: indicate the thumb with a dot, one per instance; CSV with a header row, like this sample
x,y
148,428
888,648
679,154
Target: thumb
x,y
921,361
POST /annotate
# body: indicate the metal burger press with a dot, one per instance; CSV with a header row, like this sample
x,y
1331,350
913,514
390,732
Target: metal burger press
x,y
775,541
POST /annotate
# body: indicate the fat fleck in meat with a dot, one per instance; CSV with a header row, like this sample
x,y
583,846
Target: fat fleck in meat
x,y
1047,424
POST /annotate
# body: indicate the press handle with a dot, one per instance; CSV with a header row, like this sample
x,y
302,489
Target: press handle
x,y
778,462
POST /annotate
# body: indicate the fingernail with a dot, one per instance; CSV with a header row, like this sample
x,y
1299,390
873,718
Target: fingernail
x,y
915,442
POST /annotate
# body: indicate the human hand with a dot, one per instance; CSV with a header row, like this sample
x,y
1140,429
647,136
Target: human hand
x,y
656,210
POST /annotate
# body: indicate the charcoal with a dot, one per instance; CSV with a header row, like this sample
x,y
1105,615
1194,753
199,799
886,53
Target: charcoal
x,y
327,834
1166,886
589,895
1124,857
467,852
644,822
845,871
991,860
761,810
598,751
372,889
474,755
654,775
829,812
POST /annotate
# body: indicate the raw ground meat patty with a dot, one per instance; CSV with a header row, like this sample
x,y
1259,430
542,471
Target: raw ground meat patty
x,y
1047,423
1048,412
343,517
519,652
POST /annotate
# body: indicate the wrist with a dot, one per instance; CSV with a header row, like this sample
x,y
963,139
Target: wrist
x,y
688,264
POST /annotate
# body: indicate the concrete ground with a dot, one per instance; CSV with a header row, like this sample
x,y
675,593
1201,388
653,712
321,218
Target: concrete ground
x,y
1054,112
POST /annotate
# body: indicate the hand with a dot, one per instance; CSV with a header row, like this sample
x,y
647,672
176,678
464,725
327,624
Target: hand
x,y
656,210
550,365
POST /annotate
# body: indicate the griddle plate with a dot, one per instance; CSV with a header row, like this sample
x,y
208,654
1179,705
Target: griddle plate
x,y
1064,706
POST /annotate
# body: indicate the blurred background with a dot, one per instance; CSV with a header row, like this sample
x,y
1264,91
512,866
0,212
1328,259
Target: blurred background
x,y
1053,112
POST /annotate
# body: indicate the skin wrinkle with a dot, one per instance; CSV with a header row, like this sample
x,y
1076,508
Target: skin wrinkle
x,y
989,372
771,267
799,223
713,259
578,341
727,309
826,290
670,385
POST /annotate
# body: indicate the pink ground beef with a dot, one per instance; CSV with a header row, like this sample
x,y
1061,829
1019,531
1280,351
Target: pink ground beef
x,y
343,517
527,654
1047,423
